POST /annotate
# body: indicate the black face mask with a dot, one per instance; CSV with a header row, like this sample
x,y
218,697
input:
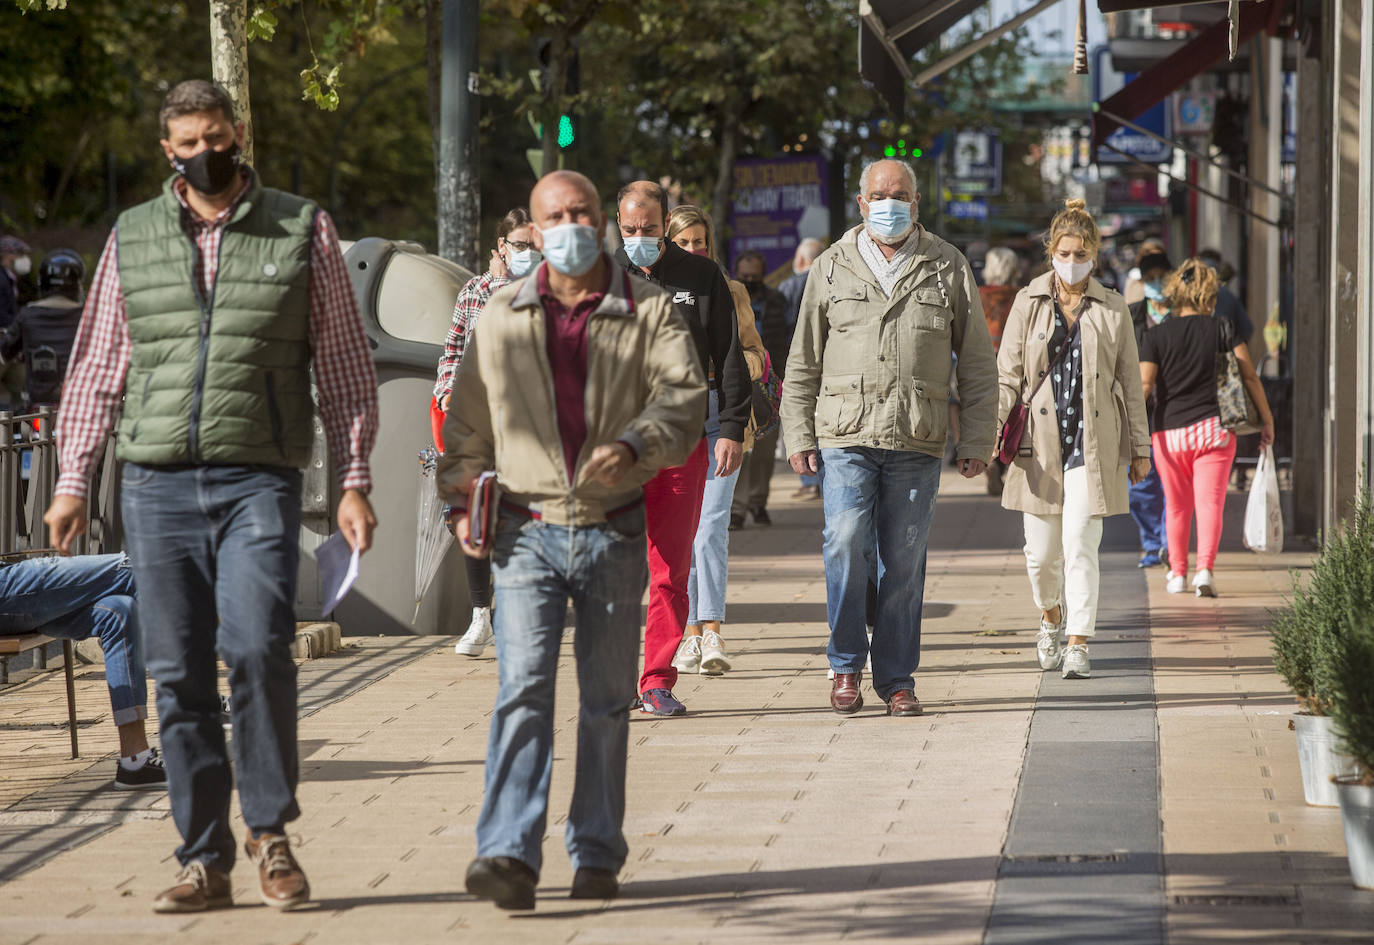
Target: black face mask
x,y
755,286
210,172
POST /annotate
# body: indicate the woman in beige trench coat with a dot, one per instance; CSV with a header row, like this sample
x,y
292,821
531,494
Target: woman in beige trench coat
x,y
1086,437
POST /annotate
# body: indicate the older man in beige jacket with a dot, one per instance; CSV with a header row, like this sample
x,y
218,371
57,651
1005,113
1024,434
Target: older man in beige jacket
x,y
579,384
865,401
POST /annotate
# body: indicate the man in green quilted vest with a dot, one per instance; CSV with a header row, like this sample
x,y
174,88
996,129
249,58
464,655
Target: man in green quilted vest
x,y
211,307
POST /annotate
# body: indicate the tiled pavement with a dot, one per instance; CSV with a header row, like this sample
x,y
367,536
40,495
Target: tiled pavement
x,y
762,816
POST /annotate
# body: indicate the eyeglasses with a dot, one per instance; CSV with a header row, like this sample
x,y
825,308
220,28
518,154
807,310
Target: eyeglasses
x,y
519,246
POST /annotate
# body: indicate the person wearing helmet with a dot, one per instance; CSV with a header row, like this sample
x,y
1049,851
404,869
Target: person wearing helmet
x,y
43,331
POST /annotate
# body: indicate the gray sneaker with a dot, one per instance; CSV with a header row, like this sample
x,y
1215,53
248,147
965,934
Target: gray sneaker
x,y
688,656
1047,645
1076,665
714,661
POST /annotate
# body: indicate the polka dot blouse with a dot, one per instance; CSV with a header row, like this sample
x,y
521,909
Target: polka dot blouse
x,y
1067,382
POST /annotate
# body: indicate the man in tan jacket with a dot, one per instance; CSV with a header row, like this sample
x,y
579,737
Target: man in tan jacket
x,y
578,384
865,402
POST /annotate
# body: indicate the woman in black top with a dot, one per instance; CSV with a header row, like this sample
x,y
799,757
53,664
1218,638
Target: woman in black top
x,y
1194,452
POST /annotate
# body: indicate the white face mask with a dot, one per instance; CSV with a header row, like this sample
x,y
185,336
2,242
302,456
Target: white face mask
x,y
23,266
1073,273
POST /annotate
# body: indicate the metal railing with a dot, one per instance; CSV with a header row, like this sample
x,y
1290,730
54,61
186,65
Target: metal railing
x,y
28,477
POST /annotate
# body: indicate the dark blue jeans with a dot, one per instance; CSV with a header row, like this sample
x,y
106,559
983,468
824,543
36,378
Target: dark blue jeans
x,y
215,550
878,506
1147,508
76,598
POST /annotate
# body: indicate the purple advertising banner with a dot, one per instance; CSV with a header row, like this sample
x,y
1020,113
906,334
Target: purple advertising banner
x,y
775,204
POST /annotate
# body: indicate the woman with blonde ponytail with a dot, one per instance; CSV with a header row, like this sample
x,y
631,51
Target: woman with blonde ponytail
x,y
1178,364
1069,351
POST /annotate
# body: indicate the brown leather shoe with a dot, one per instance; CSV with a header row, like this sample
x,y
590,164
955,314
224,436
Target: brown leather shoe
x,y
845,697
903,702
199,887
280,877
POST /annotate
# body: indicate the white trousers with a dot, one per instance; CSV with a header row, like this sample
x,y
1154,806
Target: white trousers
x,y
1061,556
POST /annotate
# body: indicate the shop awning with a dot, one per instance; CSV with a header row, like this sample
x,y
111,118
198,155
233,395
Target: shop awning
x,y
891,32
1210,47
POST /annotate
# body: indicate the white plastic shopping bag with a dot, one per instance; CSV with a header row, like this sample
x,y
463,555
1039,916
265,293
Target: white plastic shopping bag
x,y
1263,516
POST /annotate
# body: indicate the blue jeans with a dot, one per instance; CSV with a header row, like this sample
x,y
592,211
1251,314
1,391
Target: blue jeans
x,y
536,569
215,551
1147,508
710,574
76,598
878,506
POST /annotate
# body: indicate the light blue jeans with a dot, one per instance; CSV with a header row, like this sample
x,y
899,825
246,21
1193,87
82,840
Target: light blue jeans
x,y
215,551
76,598
710,574
878,503
536,569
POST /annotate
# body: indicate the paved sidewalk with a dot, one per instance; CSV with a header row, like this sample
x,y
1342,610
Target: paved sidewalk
x,y
1158,801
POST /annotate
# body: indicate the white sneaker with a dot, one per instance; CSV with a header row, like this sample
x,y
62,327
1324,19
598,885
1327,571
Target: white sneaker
x,y
688,656
1202,584
479,634
1047,644
1176,584
714,662
1076,665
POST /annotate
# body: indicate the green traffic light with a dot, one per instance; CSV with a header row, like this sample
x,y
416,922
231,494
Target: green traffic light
x,y
889,151
916,152
566,135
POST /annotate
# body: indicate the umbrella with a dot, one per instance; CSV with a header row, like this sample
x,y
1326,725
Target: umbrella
x,y
432,536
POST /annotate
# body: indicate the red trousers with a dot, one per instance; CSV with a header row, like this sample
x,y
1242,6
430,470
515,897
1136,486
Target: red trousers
x,y
672,509
1194,464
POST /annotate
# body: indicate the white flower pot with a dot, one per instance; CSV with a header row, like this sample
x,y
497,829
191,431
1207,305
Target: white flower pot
x,y
1320,759
1357,814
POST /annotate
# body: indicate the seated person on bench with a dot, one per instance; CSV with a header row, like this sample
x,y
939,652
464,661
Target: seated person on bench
x,y
84,596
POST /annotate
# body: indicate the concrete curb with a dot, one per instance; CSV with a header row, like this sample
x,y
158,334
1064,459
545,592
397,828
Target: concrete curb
x,y
312,641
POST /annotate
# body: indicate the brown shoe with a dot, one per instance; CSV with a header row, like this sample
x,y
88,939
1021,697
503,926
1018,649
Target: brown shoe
x,y
280,877
845,697
903,702
199,887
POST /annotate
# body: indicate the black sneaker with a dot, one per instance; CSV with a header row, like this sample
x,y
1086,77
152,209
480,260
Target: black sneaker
x,y
761,517
591,883
150,774
736,521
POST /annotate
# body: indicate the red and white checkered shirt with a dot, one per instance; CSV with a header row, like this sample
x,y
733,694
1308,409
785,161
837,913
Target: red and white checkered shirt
x,y
471,300
340,354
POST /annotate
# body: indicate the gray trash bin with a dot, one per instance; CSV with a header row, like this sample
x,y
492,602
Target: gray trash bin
x,y
405,297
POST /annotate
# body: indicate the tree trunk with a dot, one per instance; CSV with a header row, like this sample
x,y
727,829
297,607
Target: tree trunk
x,y
229,61
557,75
725,175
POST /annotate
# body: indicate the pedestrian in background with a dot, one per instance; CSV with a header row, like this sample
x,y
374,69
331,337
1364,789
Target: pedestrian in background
x,y
1001,282
42,334
792,288
1178,365
16,263
216,428
1086,431
1135,284
865,404
672,500
1147,496
583,358
770,319
702,649
513,258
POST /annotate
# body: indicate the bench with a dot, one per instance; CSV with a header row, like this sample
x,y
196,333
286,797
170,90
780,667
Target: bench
x,y
23,643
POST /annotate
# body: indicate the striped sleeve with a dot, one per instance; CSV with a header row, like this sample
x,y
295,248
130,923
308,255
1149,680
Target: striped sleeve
x,y
94,384
342,358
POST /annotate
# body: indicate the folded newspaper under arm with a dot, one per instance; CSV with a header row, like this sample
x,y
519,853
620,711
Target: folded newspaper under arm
x,y
484,500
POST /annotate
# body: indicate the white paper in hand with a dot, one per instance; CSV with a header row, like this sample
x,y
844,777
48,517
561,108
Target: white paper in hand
x,y
338,562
